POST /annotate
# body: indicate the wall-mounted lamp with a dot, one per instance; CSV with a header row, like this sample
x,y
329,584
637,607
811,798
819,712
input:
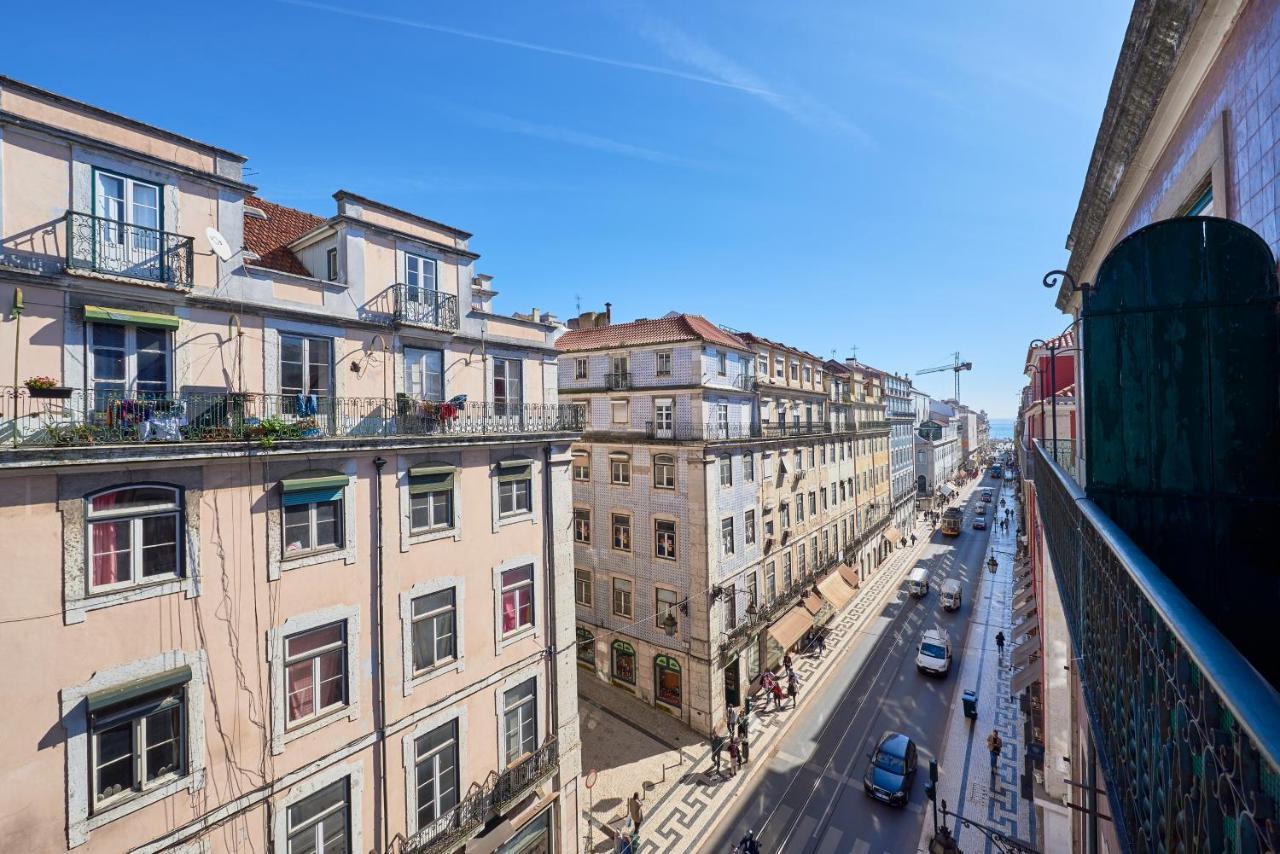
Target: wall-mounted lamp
x,y
1055,278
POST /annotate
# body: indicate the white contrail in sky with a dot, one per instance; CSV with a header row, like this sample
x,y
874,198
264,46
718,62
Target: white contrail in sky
x,y
530,46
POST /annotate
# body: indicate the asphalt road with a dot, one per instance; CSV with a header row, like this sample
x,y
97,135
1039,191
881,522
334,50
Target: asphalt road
x,y
810,797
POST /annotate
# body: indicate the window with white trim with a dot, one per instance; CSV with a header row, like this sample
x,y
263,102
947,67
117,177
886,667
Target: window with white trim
x,y
306,369
664,471
133,536
665,602
331,263
579,369
515,487
662,361
127,362
620,411
622,591
722,363
435,764
582,466
621,532
315,664
749,527
424,374
321,822
137,742
620,468
748,467
433,630
312,522
520,720
517,599
431,498
664,539
726,470
582,584
726,536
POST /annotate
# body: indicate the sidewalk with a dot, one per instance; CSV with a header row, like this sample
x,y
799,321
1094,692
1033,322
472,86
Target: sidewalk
x,y
964,777
682,796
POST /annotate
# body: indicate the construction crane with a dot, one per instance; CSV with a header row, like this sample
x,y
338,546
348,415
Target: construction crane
x,y
956,365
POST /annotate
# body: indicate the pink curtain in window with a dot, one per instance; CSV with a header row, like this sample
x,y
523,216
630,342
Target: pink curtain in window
x,y
508,612
104,544
300,690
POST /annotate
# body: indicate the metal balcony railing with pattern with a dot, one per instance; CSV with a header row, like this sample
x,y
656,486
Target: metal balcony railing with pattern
x,y
111,417
425,307
118,248
498,792
1187,731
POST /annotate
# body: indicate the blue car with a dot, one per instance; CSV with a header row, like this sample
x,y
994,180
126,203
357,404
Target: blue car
x,y
892,769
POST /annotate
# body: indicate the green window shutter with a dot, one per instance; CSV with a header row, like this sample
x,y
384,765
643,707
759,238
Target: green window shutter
x,y
517,469
138,688
312,480
102,314
430,478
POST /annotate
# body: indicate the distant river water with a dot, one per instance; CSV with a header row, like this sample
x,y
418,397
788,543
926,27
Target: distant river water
x,y
1001,428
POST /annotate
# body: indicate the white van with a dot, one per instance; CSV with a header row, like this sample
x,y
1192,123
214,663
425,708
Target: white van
x,y
951,594
918,582
934,655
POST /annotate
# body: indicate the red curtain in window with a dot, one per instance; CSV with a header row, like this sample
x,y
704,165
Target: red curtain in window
x,y
104,544
509,612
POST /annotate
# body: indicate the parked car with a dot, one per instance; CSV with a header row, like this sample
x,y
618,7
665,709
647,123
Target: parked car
x,y
892,769
979,523
934,657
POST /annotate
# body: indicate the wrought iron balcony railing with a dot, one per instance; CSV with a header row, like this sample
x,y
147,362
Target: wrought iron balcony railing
x,y
617,381
500,791
778,429
124,249
112,417
1187,731
425,307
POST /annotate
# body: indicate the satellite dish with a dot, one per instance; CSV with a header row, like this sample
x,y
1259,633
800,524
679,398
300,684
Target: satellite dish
x,y
218,243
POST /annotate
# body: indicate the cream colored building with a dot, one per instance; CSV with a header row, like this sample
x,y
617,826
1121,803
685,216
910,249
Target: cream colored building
x,y
288,538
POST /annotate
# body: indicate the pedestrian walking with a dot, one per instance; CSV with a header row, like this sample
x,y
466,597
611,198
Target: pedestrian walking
x,y
822,643
777,697
913,539
766,685
628,839
734,756
731,719
744,747
786,662
793,687
1000,643
994,744
717,746
748,844
634,810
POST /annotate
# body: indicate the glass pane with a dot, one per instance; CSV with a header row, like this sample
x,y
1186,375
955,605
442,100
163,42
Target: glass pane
x,y
420,511
445,635
163,748
297,528
114,760
160,547
112,555
146,205
442,509
300,684
524,691
333,833
332,678
424,644
303,841
111,197
108,363
516,576
304,642
328,527
312,806
318,362
433,602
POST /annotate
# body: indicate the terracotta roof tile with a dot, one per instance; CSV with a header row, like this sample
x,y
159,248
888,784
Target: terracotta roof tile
x,y
663,330
776,345
269,238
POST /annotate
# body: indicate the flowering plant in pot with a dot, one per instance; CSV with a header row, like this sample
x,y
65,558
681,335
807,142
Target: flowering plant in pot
x,y
46,387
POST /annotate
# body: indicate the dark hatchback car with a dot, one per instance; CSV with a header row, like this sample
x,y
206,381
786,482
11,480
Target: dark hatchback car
x,y
892,769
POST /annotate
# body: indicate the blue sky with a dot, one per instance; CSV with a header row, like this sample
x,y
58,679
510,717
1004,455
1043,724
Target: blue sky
x,y
891,176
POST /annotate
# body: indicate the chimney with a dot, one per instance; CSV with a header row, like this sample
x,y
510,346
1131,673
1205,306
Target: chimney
x,y
535,315
608,313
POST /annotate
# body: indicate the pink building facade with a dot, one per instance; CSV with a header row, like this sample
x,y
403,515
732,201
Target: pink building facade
x,y
287,507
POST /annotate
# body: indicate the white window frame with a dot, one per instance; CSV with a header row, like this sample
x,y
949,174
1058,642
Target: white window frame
x,y
726,471
331,264
613,525
666,463
579,528
314,823
580,369
314,656
749,527
620,404
582,466
130,351
455,714
624,596
135,517
584,584
353,771
620,468
727,544
411,678
283,733
516,587
658,359
748,467
672,549
416,357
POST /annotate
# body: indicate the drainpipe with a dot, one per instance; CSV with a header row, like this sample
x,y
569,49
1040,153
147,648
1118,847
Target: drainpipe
x,y
549,567
380,681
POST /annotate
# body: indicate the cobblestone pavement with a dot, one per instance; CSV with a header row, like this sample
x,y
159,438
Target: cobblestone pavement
x,y
965,780
683,801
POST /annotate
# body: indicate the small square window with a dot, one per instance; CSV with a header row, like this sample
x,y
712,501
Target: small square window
x,y
314,526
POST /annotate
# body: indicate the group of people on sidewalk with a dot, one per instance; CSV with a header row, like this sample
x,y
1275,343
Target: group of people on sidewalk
x,y
736,740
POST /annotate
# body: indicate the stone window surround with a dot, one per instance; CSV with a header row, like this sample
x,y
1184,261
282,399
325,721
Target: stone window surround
x,y
536,672
456,712
408,537
1206,164
354,771
665,517
536,631
423,588
277,563
348,614
614,578
72,506
535,490
75,721
631,530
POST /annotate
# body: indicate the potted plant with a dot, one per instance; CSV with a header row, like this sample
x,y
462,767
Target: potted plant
x,y
47,387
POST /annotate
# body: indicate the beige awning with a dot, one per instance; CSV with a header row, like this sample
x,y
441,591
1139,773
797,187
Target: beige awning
x,y
835,591
1025,678
790,627
893,535
813,602
1026,627
850,575
1023,652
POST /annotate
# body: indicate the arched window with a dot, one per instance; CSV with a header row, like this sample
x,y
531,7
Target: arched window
x,y
586,647
666,679
620,468
133,536
623,663
664,471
